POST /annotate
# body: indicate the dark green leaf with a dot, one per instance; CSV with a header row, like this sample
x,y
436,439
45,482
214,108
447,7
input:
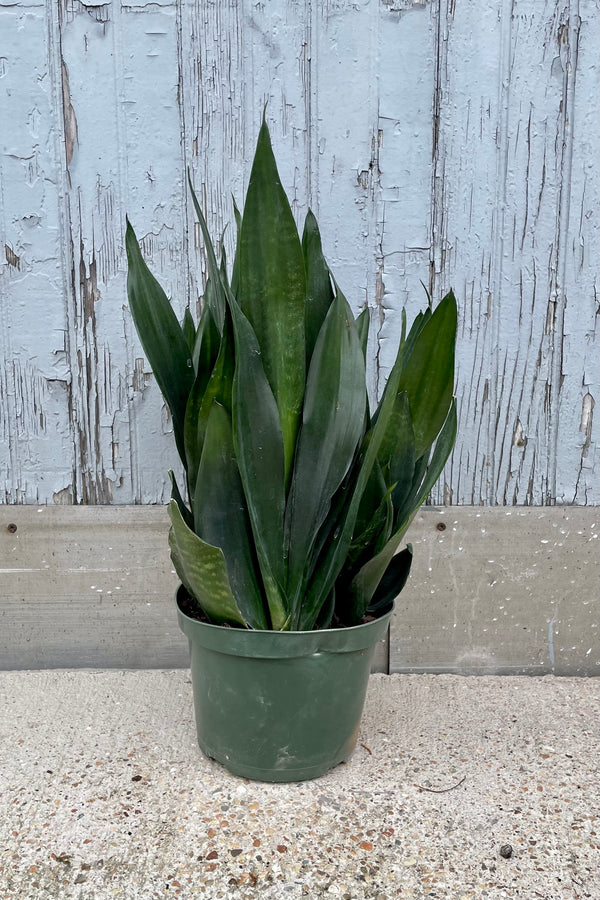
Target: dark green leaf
x,y
374,536
393,581
319,293
405,506
201,398
420,320
397,453
202,571
371,504
428,374
207,343
223,265
206,350
237,215
367,579
259,450
161,336
335,553
236,263
327,611
216,299
221,517
362,326
332,422
335,519
271,289
176,495
443,448
189,329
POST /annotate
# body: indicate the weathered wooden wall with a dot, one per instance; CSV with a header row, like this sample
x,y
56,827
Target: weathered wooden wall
x,y
445,141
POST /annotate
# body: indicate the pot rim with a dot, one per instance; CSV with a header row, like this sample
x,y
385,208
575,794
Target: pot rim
x,y
274,644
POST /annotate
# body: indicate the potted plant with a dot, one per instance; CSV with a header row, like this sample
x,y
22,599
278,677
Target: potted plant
x,y
297,492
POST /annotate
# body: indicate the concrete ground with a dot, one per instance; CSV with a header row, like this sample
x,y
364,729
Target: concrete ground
x,y
104,793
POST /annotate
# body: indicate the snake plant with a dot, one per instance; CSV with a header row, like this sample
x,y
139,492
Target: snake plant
x,y
297,493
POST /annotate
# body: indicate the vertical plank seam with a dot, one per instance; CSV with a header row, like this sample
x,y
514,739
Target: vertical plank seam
x,y
504,92
184,137
8,413
439,11
376,197
54,14
128,330
562,236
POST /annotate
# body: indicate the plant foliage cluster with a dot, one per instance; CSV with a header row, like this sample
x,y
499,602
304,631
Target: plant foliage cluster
x,y
298,494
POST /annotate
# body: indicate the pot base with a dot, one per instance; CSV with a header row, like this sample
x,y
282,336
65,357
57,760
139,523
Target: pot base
x,y
273,776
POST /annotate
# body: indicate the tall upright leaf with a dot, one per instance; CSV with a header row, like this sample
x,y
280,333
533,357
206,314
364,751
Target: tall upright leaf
x,y
319,293
334,554
208,333
420,320
259,450
217,298
371,501
221,516
161,336
223,264
332,421
368,578
236,260
206,345
397,452
441,452
369,536
219,388
189,329
271,288
362,326
428,374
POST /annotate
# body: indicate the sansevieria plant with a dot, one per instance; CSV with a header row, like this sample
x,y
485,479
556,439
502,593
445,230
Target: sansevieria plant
x,y
297,493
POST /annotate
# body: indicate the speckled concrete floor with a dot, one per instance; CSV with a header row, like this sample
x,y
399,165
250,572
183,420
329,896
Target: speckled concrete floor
x,y
105,794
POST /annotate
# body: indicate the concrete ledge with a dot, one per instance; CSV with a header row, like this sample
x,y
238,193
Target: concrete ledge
x,y
105,794
504,590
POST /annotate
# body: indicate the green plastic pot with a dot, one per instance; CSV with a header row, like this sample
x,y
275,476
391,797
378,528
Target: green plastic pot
x,y
279,705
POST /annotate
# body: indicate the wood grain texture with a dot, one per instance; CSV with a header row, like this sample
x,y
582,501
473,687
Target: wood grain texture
x,y
514,203
441,142
497,591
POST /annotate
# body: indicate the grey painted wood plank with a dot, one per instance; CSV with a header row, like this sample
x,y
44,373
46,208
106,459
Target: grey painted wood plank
x,y
577,432
117,163
497,591
407,66
35,451
511,161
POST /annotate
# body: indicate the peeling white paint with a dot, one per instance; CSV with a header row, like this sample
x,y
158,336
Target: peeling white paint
x,y
449,143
